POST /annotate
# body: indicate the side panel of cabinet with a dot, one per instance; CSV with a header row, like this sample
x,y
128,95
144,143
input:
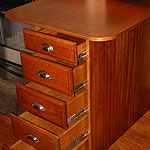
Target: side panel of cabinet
x,y
120,83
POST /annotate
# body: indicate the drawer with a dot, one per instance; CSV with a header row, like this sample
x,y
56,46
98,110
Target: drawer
x,y
61,46
19,145
44,135
56,76
52,105
83,145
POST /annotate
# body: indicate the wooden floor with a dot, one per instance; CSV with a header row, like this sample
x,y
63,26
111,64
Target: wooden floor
x,y
135,138
6,134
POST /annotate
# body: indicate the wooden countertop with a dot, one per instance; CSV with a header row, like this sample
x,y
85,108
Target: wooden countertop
x,y
96,20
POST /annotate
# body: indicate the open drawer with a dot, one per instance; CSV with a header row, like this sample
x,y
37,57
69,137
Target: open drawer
x,y
52,105
44,135
59,77
19,145
61,46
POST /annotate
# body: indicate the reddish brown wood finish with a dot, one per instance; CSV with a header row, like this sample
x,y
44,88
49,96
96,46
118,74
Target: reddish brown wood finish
x,y
19,145
62,76
83,145
55,110
63,49
119,68
90,19
73,105
6,135
120,83
50,136
47,140
135,138
80,73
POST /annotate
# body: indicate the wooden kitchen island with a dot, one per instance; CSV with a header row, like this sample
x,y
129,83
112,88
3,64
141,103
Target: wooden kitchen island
x,y
117,43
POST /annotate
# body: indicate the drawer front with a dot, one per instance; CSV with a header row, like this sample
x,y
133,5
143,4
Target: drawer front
x,y
34,135
43,131
50,45
42,105
48,73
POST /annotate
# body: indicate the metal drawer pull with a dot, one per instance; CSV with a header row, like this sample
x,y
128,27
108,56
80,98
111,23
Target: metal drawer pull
x,y
44,75
38,106
47,47
82,136
32,138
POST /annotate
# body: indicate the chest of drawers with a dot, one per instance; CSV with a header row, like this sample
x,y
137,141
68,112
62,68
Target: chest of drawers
x,y
89,72
58,95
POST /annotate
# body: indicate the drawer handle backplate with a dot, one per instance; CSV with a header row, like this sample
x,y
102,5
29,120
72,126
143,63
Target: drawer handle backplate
x,y
47,47
32,138
44,75
38,106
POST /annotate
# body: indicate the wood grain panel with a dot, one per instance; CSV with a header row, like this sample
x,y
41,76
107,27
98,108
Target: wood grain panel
x,y
62,48
120,83
6,134
22,128
55,110
44,130
89,19
69,136
20,145
80,73
62,76
58,108
77,103
135,138
83,145
81,45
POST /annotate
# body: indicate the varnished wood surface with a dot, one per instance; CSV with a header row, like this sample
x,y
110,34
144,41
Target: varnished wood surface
x,y
6,134
89,19
20,145
80,73
44,130
73,105
57,110
62,76
135,138
120,83
63,48
21,128
83,145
